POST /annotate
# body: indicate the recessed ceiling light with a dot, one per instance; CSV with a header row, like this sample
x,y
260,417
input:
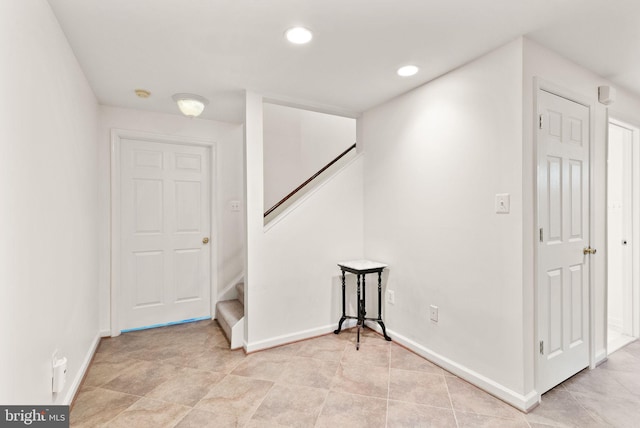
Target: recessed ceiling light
x,y
299,35
407,70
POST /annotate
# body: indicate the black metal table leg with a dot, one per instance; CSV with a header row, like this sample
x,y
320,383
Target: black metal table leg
x,y
360,318
384,330
364,299
344,314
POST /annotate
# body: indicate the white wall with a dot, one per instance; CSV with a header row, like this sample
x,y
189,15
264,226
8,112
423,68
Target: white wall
x,y
48,207
434,160
297,144
292,278
228,179
542,63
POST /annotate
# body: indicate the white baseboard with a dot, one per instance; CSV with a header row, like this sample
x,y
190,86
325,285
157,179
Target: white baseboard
x,y
521,402
295,337
105,333
77,381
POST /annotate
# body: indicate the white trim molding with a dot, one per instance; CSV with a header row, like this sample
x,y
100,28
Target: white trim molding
x,y
77,381
295,337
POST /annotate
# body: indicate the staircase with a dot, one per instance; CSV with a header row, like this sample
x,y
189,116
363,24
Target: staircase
x,y
230,316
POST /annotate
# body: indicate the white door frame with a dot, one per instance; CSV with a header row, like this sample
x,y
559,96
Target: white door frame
x,y
117,135
616,119
541,84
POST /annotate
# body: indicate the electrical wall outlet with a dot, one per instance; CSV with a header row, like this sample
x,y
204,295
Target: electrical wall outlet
x,y
234,205
433,313
391,297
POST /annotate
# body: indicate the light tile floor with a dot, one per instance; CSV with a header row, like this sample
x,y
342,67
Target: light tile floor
x,y
185,376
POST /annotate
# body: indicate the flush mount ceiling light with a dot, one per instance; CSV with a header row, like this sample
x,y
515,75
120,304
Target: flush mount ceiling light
x,y
407,70
299,35
190,105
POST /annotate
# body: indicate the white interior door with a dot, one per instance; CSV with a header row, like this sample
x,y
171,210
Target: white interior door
x,y
619,229
165,228
563,221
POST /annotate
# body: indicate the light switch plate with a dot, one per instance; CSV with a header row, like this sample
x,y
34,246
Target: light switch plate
x,y
503,205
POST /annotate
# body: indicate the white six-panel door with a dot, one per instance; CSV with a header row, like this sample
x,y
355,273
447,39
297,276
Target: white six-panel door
x,y
165,223
563,220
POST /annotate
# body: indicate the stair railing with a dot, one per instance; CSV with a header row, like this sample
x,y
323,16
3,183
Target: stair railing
x,y
309,180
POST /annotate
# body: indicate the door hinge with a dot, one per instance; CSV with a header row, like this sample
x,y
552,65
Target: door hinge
x,y
542,347
541,235
541,121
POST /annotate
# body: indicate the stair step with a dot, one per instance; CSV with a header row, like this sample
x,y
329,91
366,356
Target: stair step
x,y
240,290
228,313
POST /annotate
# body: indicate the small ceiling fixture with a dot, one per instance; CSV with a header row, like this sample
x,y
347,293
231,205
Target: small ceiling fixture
x,y
407,70
190,105
143,93
299,35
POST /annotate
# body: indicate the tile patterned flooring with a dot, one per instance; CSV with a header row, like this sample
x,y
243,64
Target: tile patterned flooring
x,y
185,376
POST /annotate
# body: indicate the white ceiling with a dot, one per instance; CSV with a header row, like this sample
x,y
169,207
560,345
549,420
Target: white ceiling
x,y
219,48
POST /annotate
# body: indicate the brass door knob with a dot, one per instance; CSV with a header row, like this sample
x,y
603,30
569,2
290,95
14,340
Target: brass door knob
x,y
205,240
589,250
